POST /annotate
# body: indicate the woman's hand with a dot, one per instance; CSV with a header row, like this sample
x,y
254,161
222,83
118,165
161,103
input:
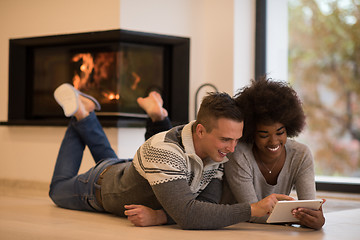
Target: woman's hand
x,y
266,205
311,218
142,216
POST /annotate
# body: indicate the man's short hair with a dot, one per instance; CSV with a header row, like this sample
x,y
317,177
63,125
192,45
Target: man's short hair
x,y
217,105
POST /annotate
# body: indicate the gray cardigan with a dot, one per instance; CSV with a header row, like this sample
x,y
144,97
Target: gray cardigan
x,y
248,185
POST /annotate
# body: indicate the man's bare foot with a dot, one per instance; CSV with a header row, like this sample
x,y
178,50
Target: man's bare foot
x,y
152,105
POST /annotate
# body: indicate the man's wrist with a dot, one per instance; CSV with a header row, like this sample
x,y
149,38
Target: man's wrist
x,y
161,217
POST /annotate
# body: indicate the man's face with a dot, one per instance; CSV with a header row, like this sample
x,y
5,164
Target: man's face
x,y
221,140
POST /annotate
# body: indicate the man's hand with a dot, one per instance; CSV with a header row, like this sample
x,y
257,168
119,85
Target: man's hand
x,y
311,218
266,205
142,216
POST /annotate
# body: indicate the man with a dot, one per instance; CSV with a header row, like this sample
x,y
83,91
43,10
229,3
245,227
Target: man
x,y
177,172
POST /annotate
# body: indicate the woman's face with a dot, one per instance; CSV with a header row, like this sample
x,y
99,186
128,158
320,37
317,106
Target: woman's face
x,y
270,139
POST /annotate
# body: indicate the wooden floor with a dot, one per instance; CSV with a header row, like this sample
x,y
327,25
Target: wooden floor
x,y
27,213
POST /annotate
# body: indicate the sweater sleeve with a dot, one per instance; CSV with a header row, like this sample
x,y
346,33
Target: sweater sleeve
x,y
305,180
189,213
212,193
153,128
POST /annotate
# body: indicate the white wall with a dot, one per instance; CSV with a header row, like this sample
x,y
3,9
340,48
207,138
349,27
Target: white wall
x,y
244,43
277,39
29,153
209,24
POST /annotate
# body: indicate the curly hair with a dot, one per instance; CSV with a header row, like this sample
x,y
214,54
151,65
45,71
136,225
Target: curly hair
x,y
267,102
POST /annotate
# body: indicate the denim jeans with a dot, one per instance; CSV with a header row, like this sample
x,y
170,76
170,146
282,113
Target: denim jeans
x,y
67,188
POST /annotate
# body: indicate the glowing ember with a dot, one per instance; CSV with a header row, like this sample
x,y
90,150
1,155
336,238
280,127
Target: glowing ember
x,y
111,96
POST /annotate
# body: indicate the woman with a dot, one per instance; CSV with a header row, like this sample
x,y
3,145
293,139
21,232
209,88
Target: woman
x,y
266,161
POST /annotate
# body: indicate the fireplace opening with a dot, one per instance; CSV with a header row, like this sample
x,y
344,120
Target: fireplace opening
x,y
116,67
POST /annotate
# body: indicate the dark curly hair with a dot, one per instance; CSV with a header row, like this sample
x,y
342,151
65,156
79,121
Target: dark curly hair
x,y
267,102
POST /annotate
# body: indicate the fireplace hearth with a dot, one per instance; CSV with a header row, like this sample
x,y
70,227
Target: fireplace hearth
x,y
115,66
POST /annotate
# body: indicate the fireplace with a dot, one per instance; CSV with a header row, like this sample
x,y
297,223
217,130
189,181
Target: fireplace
x,y
115,67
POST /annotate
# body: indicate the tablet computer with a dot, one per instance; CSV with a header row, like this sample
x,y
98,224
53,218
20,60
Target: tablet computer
x,y
282,210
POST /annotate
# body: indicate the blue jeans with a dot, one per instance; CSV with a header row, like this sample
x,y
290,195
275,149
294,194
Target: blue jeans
x,y
67,188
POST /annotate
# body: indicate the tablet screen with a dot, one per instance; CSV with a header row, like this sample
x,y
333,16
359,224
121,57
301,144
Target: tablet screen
x,y
282,210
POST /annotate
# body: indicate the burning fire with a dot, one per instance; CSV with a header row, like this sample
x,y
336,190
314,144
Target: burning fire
x,y
94,71
111,96
80,80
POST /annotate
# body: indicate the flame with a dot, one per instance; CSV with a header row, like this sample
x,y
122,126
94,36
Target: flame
x,y
94,68
137,80
80,79
111,96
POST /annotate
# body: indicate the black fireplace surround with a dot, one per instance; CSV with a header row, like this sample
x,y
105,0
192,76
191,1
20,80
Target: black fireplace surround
x,y
115,66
